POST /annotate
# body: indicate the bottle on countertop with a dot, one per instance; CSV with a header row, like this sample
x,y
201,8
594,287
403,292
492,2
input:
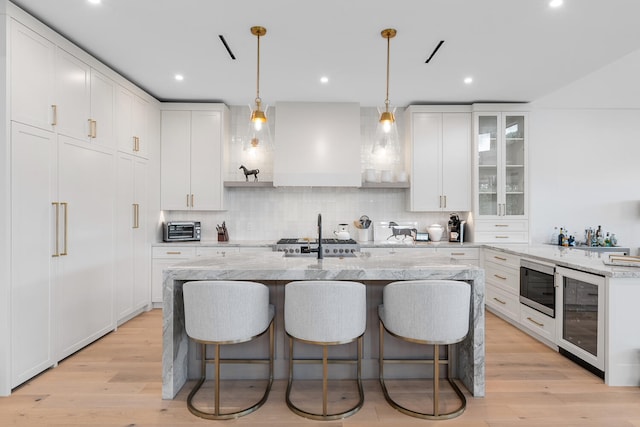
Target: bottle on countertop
x,y
607,240
554,236
565,238
614,239
560,236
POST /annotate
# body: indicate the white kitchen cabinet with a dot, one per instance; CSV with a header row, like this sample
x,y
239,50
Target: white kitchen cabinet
x,y
502,278
192,156
33,188
72,96
500,176
132,281
132,123
101,119
32,65
317,144
84,287
463,254
439,159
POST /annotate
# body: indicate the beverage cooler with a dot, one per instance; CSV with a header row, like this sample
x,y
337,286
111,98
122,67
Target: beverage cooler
x,y
581,318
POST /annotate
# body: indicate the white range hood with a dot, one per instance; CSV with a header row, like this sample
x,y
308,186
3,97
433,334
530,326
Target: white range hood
x,y
317,144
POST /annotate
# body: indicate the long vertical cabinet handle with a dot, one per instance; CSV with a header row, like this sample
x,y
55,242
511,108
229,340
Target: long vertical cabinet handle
x,y
187,200
192,200
66,228
94,129
90,135
136,215
57,246
445,201
54,115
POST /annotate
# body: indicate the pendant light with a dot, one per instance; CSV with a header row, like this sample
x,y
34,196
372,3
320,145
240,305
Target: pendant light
x,y
259,134
386,138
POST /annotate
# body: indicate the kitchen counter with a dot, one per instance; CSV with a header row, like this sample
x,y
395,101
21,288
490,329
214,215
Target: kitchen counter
x,y
275,270
577,259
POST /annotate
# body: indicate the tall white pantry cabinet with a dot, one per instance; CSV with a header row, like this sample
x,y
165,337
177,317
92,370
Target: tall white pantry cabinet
x,y
75,262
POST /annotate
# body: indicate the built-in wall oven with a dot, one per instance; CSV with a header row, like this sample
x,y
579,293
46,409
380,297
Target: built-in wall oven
x,y
580,325
537,286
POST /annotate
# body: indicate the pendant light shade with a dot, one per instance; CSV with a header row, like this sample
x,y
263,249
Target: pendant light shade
x,y
258,134
386,138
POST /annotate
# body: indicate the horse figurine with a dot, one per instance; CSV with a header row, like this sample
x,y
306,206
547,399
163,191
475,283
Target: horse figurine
x,y
403,233
248,172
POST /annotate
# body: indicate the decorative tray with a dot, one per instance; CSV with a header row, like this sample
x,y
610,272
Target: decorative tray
x,y
623,260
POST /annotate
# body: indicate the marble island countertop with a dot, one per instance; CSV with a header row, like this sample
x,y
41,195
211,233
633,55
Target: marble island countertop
x,y
274,269
364,266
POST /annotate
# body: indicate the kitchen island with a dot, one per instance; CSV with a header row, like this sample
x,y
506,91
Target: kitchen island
x,y
275,270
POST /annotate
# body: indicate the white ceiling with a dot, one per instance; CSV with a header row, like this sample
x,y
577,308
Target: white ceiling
x,y
515,50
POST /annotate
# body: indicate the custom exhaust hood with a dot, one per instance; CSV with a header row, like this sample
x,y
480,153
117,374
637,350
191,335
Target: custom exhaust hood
x,y
317,144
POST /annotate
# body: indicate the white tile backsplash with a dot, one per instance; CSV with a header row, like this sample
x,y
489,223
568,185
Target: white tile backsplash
x,y
273,213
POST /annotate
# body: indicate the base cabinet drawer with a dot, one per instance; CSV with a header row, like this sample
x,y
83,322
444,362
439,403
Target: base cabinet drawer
x,y
506,278
500,236
470,255
537,322
505,303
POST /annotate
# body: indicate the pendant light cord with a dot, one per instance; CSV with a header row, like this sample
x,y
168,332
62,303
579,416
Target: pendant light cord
x,y
386,101
258,100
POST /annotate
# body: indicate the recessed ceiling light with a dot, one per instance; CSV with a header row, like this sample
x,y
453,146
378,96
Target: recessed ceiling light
x,y
555,3
324,79
94,1
179,77
468,80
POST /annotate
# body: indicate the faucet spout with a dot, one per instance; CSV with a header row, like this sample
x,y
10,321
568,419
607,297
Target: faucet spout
x,y
320,253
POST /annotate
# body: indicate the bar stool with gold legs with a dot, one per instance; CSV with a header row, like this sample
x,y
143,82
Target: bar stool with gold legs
x,y
432,312
325,313
227,312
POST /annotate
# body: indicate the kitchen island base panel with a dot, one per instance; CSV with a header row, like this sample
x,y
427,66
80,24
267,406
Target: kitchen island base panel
x,y
180,359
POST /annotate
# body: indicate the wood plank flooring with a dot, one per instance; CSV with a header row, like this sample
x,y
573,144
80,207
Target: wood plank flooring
x,y
117,382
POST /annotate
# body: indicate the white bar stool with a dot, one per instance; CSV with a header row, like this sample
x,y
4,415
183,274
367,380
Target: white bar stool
x,y
227,312
325,313
432,312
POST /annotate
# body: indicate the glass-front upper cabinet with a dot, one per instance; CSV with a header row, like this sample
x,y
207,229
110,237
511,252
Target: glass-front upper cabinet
x,y
500,141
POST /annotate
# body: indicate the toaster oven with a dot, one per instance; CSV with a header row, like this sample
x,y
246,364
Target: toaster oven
x,y
181,231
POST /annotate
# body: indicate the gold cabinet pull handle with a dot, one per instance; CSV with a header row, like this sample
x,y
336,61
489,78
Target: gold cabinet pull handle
x,y
136,215
187,200
457,253
174,253
66,228
499,300
502,237
54,115
94,128
501,225
57,251
192,200
535,323
499,258
90,135
445,201
500,277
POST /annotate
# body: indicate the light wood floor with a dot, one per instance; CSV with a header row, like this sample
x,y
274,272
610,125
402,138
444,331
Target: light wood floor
x,y
117,382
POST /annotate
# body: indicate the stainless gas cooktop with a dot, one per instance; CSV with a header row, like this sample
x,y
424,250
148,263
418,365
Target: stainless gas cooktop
x,y
308,247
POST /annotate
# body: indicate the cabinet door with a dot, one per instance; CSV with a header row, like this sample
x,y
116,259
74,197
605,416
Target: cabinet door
x,y
32,77
514,165
175,174
139,126
124,118
426,179
125,222
84,293
141,256
33,189
206,162
488,157
102,109
73,96
456,161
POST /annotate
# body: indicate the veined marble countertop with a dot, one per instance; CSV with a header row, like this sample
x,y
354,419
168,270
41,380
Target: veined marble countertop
x,y
577,259
273,268
363,266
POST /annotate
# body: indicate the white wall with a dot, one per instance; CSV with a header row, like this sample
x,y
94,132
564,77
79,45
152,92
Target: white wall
x,y
585,155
